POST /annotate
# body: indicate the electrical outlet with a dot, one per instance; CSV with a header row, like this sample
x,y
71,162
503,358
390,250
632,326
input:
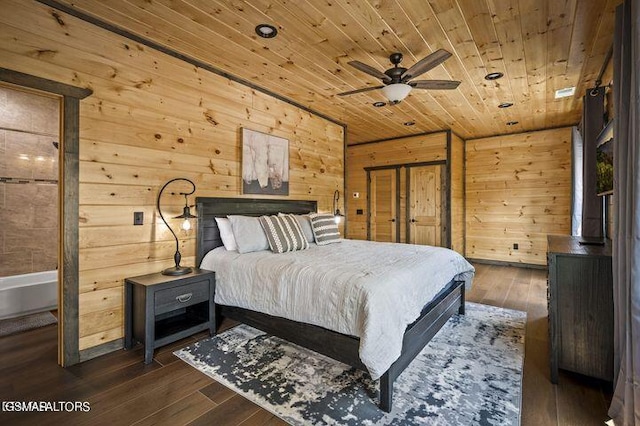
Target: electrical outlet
x,y
359,211
515,246
138,218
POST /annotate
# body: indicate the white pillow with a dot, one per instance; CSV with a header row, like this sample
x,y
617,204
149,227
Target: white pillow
x,y
226,233
248,233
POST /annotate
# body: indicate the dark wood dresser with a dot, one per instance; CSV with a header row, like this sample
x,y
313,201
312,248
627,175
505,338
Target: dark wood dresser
x,y
580,303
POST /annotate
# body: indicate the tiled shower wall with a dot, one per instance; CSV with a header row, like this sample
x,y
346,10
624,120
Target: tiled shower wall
x,y
29,125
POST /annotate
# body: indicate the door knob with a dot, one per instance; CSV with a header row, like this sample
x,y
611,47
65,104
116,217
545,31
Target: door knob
x,y
392,220
413,221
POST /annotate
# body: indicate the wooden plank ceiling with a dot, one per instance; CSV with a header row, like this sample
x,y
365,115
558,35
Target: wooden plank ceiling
x,y
539,45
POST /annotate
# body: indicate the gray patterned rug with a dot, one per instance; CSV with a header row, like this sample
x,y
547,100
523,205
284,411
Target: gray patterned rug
x,y
469,374
26,322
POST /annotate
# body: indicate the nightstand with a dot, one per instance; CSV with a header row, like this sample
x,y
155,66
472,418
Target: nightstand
x,y
160,309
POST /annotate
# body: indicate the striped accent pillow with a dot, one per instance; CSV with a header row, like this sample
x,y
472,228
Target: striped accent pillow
x,y
325,228
283,233
305,224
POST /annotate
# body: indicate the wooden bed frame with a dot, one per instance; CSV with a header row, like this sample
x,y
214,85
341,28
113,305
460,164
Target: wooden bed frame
x,y
338,346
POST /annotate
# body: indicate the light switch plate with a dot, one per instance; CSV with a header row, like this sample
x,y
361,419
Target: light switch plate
x,y
138,218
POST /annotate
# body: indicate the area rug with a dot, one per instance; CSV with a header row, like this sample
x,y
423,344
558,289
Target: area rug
x,y
27,322
469,374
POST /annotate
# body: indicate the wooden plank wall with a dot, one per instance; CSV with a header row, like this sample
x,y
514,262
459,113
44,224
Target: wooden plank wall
x,y
518,190
416,149
152,118
457,193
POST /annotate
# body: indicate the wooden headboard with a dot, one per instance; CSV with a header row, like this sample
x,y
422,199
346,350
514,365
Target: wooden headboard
x,y
208,235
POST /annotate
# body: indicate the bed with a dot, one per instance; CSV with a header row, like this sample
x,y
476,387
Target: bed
x,y
336,341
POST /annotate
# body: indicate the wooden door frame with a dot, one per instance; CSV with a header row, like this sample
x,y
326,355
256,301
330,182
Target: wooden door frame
x,y
446,195
445,209
68,205
373,169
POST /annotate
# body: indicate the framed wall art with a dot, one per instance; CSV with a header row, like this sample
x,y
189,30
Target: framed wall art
x,y
265,164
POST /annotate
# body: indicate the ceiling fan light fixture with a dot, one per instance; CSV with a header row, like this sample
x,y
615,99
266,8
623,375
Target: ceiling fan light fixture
x,y
266,31
398,81
493,76
396,92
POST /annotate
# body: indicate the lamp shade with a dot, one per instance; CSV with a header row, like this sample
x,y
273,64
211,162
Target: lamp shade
x,y
186,215
396,92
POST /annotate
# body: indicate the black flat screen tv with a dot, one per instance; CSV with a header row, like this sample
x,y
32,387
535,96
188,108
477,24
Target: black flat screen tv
x,y
604,167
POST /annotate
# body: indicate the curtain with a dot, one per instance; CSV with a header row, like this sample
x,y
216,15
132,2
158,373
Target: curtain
x,y
592,124
625,405
577,152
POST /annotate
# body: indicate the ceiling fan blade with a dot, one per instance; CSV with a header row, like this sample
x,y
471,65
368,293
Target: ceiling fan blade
x,y
434,84
425,64
365,89
369,70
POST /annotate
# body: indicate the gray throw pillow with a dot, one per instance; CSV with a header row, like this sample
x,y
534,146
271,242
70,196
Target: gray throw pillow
x,y
325,228
284,233
305,224
248,233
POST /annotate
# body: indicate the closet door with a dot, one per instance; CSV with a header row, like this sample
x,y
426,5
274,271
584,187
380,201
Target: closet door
x,y
425,205
383,219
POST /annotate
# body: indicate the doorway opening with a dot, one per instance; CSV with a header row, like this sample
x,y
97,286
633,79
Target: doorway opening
x,y
67,201
29,158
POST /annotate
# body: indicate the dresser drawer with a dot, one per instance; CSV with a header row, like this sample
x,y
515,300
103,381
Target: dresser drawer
x,y
182,296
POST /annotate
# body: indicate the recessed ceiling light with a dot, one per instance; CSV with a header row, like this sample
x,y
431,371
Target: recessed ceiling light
x,y
266,31
379,104
493,76
505,105
409,123
566,92
512,123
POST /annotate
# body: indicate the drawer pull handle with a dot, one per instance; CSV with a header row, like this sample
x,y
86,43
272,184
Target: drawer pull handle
x,y
183,298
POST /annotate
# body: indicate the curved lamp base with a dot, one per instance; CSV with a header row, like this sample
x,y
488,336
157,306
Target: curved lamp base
x,y
177,270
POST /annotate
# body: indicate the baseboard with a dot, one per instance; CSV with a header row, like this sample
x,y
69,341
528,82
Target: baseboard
x,y
503,263
105,348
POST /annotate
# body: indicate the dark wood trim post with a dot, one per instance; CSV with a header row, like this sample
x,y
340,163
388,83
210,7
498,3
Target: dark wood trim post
x,y
69,219
448,219
407,205
368,205
397,215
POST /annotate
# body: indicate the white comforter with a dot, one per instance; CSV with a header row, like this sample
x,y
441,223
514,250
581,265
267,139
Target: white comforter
x,y
361,288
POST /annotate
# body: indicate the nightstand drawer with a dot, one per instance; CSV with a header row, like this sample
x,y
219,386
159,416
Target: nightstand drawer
x,y
181,296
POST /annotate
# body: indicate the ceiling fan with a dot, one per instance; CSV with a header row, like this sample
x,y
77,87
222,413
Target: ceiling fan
x,y
398,80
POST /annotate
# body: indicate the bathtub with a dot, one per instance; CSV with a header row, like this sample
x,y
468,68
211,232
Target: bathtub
x,y
28,293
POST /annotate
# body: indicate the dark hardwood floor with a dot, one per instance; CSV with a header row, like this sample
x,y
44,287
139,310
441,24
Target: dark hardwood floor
x,y
575,400
122,390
